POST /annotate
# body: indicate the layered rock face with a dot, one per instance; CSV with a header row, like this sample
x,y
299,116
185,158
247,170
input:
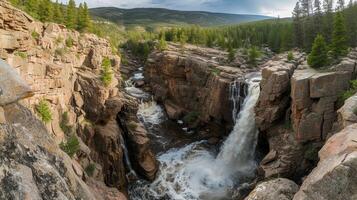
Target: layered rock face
x,y
32,164
296,111
63,67
195,80
335,175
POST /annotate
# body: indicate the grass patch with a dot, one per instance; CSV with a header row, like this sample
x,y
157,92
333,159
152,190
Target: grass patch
x,y
71,147
90,169
69,42
60,51
191,117
64,124
347,94
132,126
216,71
290,56
44,111
107,73
35,35
21,54
59,40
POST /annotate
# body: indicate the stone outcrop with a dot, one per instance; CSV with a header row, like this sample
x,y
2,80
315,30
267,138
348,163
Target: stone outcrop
x,y
296,111
314,96
32,164
275,88
276,189
63,67
194,80
335,175
347,114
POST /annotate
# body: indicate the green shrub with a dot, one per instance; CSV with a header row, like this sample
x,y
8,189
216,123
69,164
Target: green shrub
x,y
35,35
21,54
231,54
59,40
60,51
290,56
191,117
318,56
107,74
253,55
132,126
71,147
64,124
90,169
347,94
44,111
162,45
69,42
216,71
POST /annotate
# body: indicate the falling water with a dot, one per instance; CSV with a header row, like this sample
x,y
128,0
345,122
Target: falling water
x,y
196,172
235,97
127,159
150,113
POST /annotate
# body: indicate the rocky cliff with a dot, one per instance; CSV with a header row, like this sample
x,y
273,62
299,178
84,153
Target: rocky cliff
x,y
195,81
63,68
297,115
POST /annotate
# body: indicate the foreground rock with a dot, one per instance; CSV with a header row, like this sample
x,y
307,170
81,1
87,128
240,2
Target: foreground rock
x,y
63,68
335,176
276,189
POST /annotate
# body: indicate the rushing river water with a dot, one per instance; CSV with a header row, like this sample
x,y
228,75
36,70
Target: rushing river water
x,y
199,170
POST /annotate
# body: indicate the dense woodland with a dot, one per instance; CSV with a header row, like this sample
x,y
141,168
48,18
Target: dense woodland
x,y
47,11
323,28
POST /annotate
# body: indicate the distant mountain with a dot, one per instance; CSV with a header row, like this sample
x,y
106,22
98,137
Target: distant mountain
x,y
153,17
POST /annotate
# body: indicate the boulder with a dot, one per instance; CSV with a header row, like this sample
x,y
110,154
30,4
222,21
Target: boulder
x,y
347,114
276,189
335,175
12,87
145,162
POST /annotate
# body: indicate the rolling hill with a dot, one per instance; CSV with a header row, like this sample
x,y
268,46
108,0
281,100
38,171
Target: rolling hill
x,y
153,17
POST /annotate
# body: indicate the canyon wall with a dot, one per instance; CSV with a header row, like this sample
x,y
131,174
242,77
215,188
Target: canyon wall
x,y
63,68
191,80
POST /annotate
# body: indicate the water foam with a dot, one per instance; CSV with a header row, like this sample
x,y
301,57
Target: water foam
x,y
195,172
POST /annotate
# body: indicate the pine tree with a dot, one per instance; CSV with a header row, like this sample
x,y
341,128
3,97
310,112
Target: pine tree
x,y
318,56
32,7
45,10
80,18
328,20
231,54
317,17
71,17
298,28
58,13
86,17
339,38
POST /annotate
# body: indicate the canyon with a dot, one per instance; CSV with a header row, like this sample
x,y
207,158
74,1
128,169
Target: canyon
x,y
212,129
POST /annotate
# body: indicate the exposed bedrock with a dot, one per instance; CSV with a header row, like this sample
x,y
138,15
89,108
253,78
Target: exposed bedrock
x,y
296,112
195,81
63,67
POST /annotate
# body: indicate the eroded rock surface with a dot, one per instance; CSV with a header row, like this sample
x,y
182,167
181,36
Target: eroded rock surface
x,y
276,189
194,80
335,176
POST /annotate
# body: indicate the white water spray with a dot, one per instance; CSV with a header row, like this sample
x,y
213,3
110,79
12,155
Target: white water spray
x,y
194,172
150,113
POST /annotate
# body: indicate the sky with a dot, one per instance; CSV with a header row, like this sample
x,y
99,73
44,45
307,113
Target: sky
x,y
282,8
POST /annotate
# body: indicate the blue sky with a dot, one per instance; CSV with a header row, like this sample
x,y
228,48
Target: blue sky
x,y
283,8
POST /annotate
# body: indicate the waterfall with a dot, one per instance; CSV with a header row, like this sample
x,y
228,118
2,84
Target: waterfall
x,y
150,113
131,173
239,148
235,97
197,171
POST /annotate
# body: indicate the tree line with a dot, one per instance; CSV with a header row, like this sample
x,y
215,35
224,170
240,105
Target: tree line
x,y
47,11
273,33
